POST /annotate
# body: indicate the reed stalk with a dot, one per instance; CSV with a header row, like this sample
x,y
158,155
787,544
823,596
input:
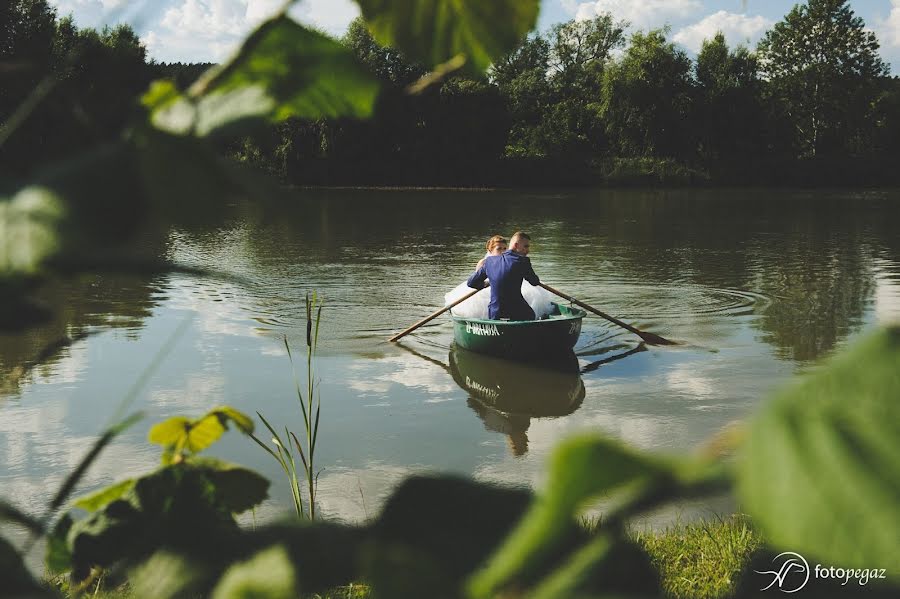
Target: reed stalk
x,y
290,448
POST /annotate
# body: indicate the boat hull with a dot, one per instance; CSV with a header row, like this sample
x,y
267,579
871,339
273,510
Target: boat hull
x,y
523,339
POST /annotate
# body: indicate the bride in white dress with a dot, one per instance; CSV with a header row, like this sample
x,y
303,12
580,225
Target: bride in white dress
x,y
477,306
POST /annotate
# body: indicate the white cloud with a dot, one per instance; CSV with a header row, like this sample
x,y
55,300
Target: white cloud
x,y
331,15
737,28
210,30
640,13
889,29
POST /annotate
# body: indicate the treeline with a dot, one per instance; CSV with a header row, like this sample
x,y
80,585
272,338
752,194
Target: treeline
x,y
583,103
586,103
85,81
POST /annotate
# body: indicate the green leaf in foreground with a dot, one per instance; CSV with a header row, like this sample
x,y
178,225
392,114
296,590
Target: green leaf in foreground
x,y
434,31
101,498
269,573
237,488
820,472
582,469
179,434
283,70
28,231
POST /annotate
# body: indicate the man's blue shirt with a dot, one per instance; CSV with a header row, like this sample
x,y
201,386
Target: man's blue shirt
x,y
506,273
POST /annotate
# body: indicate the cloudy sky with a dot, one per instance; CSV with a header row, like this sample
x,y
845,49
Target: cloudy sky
x,y
207,30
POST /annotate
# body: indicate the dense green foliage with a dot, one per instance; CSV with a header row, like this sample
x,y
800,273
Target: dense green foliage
x,y
565,106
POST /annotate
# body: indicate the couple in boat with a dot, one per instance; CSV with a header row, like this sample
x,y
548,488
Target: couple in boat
x,y
514,292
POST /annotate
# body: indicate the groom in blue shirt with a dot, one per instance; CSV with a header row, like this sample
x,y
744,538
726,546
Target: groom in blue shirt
x,y
506,273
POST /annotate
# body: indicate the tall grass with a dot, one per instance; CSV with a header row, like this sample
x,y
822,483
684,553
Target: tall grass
x,y
289,449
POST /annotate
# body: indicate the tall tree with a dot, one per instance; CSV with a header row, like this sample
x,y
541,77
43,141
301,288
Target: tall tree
x,y
646,99
579,45
522,78
27,28
822,65
728,107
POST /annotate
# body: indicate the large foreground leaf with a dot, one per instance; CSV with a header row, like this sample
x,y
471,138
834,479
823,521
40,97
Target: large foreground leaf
x,y
269,573
282,70
582,469
434,31
820,473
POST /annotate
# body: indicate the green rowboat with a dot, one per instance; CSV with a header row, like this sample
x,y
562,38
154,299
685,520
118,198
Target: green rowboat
x,y
521,339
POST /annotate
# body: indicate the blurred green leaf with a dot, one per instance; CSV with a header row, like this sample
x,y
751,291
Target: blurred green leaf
x,y
181,434
204,432
29,230
820,472
17,580
167,575
605,567
282,70
269,574
582,469
169,432
306,73
240,420
434,31
238,489
169,110
435,531
95,501
58,557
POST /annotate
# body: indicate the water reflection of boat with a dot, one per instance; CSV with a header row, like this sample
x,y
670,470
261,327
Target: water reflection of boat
x,y
545,389
553,336
507,395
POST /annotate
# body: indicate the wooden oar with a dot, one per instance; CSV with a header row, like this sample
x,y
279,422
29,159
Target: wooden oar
x,y
650,338
435,315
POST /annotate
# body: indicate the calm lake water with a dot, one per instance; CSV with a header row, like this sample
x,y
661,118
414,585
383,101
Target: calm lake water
x,y
758,285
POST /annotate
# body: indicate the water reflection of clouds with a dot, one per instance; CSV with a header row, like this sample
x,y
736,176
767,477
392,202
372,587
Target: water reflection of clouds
x,y
200,392
887,301
215,314
378,376
354,495
684,379
39,449
71,366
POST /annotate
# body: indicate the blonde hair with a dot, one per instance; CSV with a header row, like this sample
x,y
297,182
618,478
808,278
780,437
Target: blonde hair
x,y
495,241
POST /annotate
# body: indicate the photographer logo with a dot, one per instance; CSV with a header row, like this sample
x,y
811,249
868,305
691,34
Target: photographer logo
x,y
791,572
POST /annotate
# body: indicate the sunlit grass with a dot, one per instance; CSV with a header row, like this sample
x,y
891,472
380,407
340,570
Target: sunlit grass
x,y
701,560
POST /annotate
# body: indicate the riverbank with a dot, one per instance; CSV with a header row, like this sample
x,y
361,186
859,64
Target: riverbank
x,y
702,560
559,172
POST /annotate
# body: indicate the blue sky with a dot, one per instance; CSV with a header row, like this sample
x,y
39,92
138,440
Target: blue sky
x,y
208,30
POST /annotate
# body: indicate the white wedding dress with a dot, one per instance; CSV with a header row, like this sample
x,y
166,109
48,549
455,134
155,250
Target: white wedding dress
x,y
477,306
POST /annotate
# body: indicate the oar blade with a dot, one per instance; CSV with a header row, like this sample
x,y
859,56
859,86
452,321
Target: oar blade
x,y
654,339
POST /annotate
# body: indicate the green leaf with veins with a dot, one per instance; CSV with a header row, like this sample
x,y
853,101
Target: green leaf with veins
x,y
434,31
827,450
283,70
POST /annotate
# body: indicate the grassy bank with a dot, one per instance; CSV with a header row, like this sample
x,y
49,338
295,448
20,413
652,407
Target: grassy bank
x,y
701,560
696,561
